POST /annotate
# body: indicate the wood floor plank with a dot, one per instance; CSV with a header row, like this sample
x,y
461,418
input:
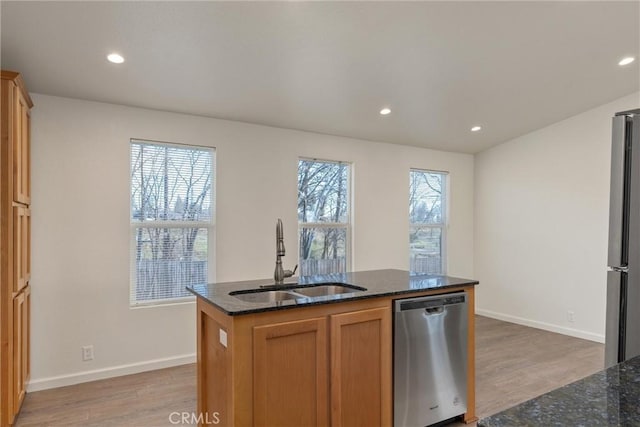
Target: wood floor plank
x,y
513,363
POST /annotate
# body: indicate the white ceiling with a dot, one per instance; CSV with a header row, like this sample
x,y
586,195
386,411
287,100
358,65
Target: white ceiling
x,y
329,67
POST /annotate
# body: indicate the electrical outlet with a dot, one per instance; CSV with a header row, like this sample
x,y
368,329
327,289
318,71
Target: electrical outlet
x,y
223,337
87,353
571,316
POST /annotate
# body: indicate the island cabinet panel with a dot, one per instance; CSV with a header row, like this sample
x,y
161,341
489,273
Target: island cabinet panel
x,y
290,373
361,368
214,367
470,415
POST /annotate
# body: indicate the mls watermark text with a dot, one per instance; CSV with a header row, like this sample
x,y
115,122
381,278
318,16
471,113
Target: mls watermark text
x,y
192,418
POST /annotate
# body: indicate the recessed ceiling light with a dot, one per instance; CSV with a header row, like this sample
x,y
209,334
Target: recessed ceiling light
x,y
115,58
626,61
475,128
385,111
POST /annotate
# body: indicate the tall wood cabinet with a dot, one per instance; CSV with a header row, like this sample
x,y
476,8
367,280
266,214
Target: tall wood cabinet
x,y
15,244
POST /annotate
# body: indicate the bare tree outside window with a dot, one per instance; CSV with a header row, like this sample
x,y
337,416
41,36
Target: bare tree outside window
x,y
427,218
323,216
171,218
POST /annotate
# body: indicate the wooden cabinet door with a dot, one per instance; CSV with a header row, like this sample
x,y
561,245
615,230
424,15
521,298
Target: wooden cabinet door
x,y
21,150
290,383
21,247
20,349
26,338
361,368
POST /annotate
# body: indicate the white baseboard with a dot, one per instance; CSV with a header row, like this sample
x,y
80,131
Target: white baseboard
x,y
110,372
150,365
542,325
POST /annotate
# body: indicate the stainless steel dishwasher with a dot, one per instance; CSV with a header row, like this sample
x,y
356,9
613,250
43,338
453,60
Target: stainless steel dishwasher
x,y
430,359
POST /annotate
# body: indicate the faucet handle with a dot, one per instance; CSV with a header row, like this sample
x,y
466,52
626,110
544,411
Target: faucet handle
x,y
289,273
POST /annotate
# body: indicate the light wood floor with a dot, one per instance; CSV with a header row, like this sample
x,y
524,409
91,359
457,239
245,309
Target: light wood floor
x,y
513,364
139,400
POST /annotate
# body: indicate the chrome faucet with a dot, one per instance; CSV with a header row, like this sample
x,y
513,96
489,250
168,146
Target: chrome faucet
x,y
279,275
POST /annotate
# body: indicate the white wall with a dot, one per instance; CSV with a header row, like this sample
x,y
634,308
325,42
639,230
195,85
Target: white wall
x,y
542,211
80,277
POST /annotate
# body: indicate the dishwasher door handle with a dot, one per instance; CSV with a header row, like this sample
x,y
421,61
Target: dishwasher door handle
x,y
434,310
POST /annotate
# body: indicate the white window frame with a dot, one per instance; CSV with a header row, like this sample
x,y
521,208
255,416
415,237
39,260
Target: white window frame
x,y
209,225
443,225
339,225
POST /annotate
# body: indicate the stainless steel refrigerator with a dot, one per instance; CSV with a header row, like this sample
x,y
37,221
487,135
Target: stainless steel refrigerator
x,y
622,340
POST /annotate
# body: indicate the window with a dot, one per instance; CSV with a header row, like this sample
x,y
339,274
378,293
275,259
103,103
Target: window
x,y
172,212
427,219
323,217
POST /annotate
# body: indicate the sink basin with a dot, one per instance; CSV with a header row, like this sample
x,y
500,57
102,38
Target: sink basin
x,y
327,289
264,296
295,292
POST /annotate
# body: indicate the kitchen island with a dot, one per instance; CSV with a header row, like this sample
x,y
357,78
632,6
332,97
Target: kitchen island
x,y
322,360
607,398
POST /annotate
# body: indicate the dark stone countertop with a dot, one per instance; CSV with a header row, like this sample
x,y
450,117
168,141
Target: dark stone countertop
x,y
376,282
608,398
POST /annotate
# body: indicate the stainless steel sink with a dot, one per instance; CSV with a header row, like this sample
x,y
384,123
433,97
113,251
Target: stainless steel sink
x,y
325,290
264,296
295,292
